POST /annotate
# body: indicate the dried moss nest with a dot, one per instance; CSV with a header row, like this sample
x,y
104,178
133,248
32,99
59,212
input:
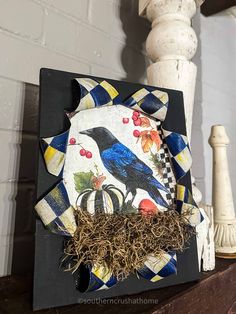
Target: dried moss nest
x,y
123,241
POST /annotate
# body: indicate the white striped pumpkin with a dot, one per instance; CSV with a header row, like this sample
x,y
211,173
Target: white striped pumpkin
x,y
108,200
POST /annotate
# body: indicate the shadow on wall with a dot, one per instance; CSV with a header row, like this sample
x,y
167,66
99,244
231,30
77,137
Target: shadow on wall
x,y
136,30
197,141
23,244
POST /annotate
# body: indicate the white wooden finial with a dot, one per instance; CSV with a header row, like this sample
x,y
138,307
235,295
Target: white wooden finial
x,y
171,45
222,198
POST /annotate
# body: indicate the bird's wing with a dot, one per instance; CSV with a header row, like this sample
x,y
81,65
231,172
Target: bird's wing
x,y
123,164
121,160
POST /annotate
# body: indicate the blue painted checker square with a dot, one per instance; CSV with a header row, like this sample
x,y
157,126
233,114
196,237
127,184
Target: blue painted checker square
x,y
95,282
150,104
130,102
179,172
83,91
100,96
146,273
58,208
175,143
167,270
59,142
111,282
53,226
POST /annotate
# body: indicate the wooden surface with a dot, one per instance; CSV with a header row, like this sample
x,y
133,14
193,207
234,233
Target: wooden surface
x,y
214,293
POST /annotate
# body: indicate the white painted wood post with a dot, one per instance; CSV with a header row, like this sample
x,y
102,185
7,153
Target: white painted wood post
x,y
207,234
171,44
222,198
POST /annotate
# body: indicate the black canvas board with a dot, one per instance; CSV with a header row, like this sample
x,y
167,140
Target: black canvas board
x,y
52,286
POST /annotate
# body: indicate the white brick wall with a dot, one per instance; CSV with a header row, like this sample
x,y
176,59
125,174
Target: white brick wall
x,y
74,8
59,33
103,38
23,18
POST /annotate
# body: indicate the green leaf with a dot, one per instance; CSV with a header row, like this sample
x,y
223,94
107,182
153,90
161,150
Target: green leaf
x,y
83,181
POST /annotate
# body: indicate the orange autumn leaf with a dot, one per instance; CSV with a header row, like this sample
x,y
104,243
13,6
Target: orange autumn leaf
x,y
146,143
142,133
145,122
156,138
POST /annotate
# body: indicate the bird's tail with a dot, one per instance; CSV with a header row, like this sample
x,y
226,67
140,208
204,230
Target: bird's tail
x,y
153,190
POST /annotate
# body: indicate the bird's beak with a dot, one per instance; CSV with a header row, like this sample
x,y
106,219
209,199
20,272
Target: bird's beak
x,y
87,132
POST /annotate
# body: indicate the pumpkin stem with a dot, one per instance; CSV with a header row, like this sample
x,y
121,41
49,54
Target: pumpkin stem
x,y
97,181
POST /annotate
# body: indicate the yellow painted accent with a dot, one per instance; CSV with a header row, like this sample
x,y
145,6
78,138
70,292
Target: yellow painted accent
x,y
180,158
102,273
184,159
180,192
58,197
186,155
55,163
49,154
87,83
156,278
110,89
140,94
163,96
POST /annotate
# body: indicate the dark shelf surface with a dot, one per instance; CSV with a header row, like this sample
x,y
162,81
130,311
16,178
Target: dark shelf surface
x,y
214,293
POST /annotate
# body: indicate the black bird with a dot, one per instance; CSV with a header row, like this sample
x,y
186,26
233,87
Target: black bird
x,y
125,166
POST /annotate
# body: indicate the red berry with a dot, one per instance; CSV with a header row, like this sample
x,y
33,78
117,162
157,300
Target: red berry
x,y
136,133
125,120
89,154
136,113
137,122
72,141
134,117
82,152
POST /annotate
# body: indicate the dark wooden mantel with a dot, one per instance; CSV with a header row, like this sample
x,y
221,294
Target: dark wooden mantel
x,y
214,293
210,7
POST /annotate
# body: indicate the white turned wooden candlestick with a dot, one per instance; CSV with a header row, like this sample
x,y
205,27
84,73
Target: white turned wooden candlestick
x,y
222,198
